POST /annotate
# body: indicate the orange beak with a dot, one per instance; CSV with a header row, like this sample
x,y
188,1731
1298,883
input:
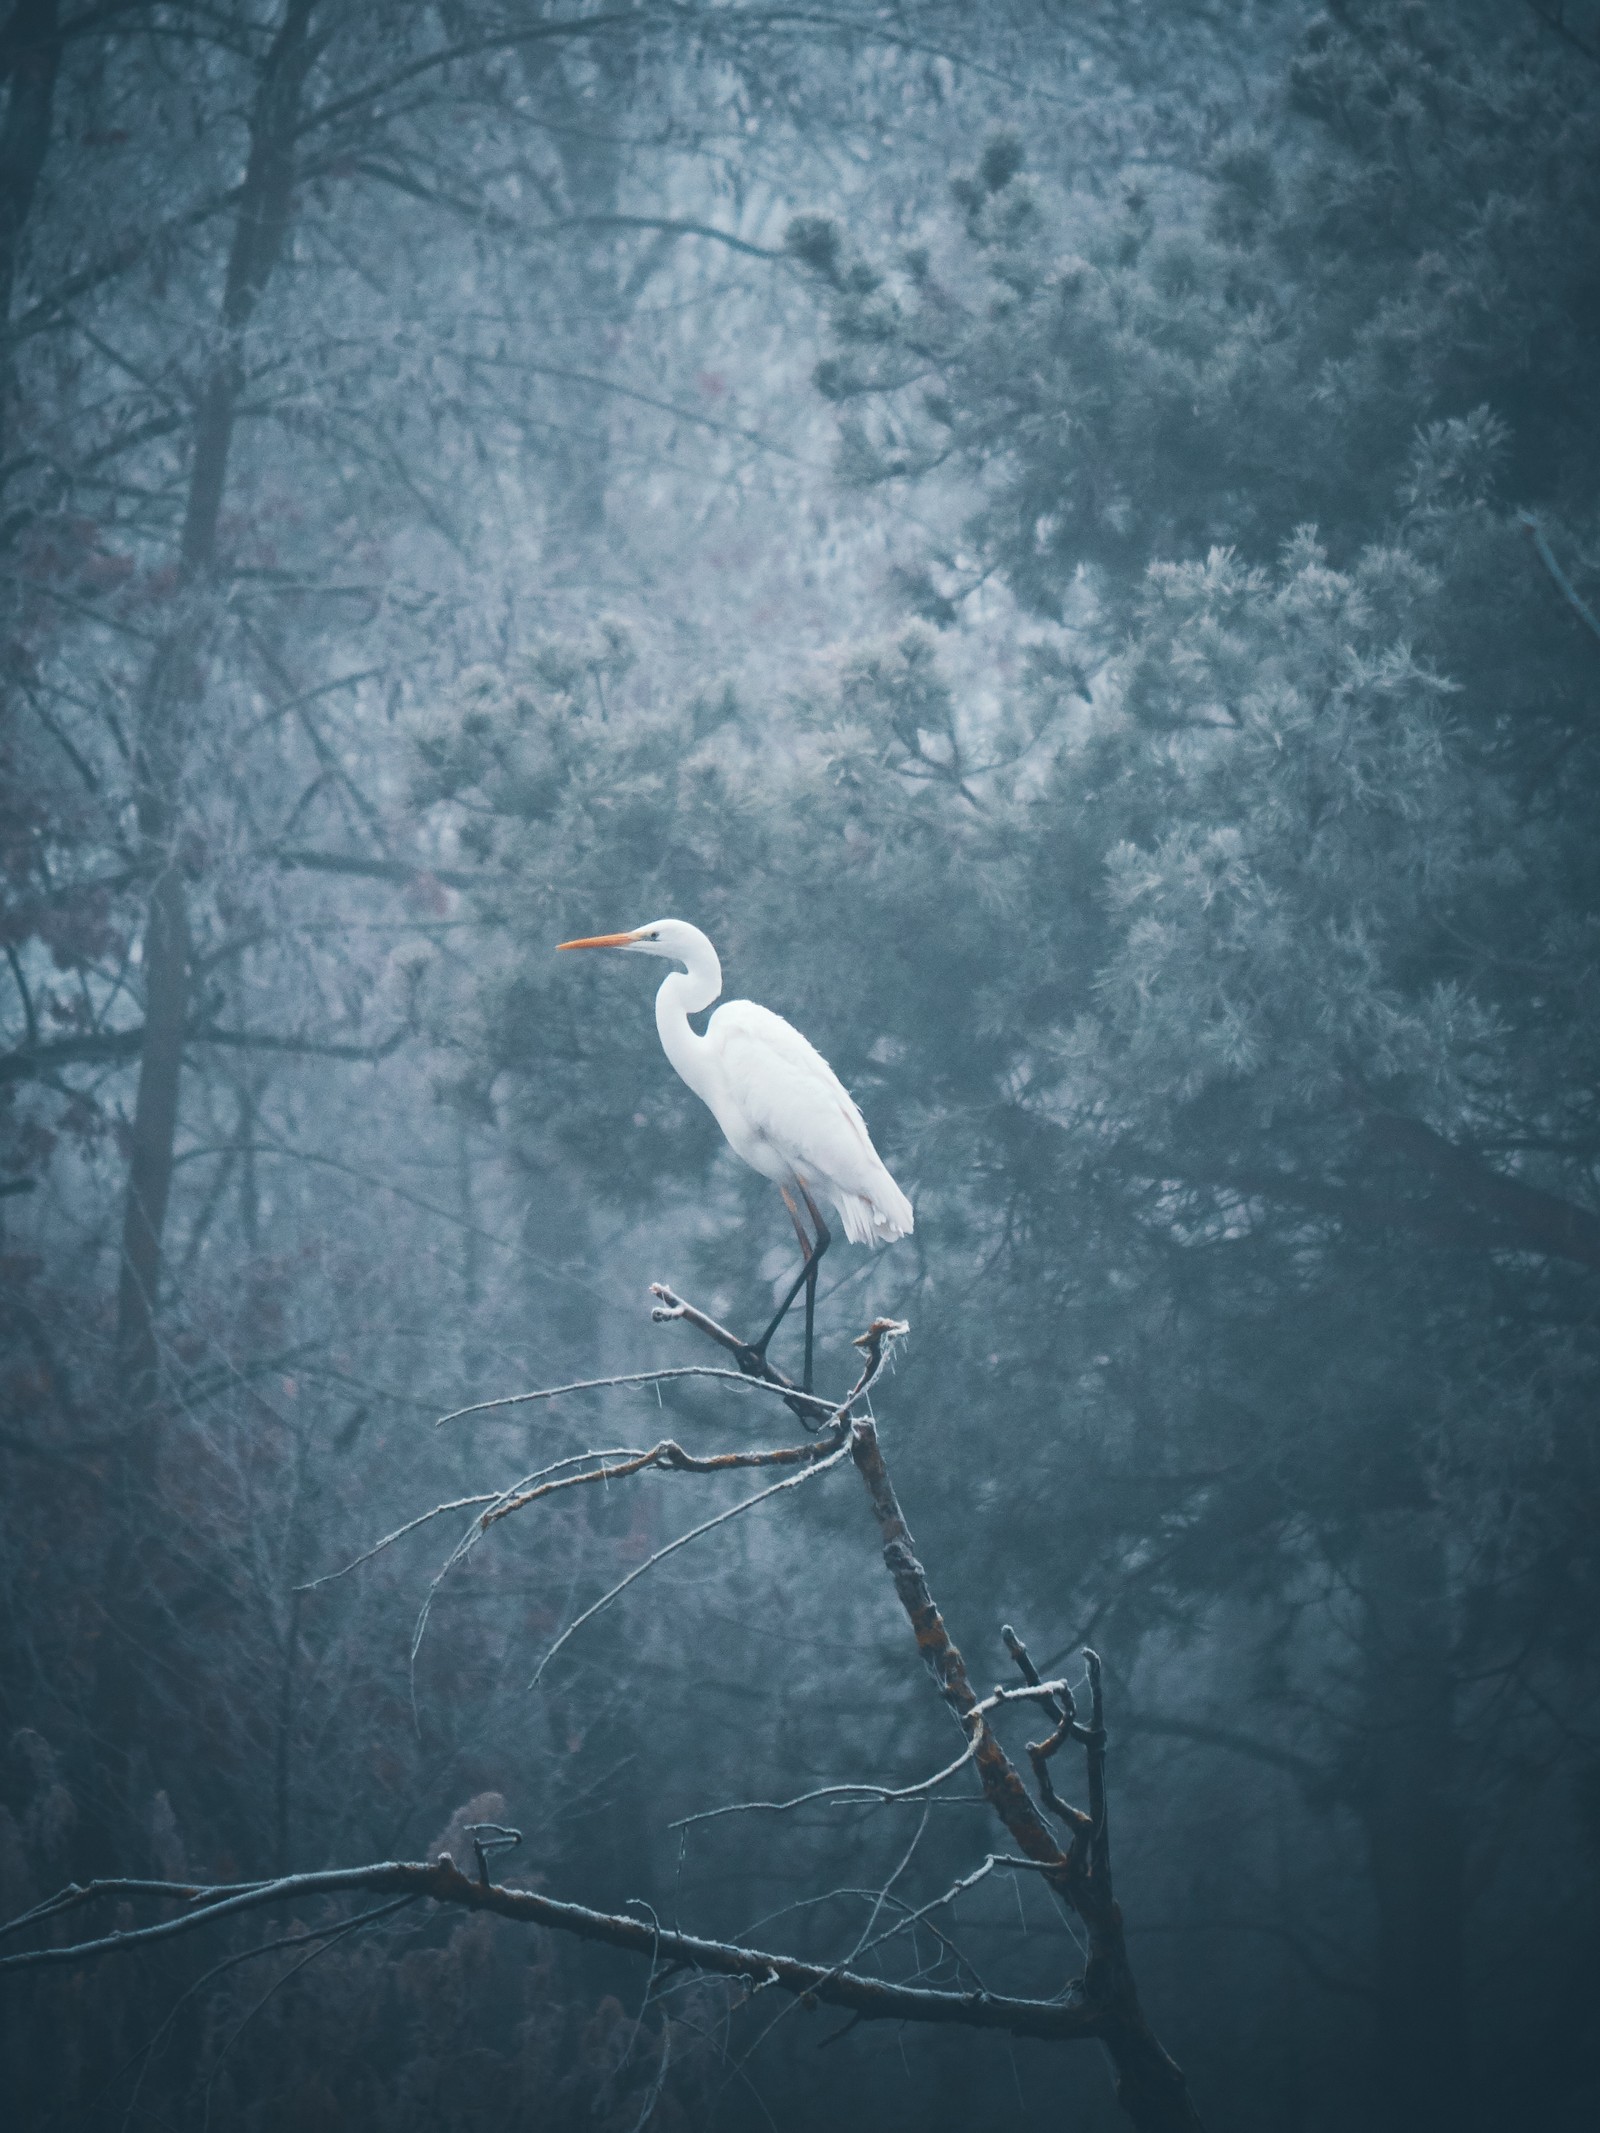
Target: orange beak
x,y
601,940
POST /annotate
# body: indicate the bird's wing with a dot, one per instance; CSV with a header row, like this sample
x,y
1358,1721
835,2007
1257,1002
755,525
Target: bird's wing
x,y
792,1099
780,1080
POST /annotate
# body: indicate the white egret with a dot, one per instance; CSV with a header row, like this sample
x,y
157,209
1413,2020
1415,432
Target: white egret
x,y
780,1104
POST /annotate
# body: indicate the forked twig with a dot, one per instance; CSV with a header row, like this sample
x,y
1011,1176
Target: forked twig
x,y
776,1488
1064,1711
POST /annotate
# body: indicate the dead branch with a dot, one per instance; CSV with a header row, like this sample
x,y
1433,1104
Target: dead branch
x,y
670,1457
640,1377
1150,2086
747,1503
1064,1711
881,1794
1103,2003
887,1794
442,1882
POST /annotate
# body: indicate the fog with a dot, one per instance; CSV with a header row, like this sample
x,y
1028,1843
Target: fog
x,y
1064,540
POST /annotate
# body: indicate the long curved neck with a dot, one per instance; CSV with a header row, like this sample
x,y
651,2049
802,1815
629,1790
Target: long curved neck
x,y
683,993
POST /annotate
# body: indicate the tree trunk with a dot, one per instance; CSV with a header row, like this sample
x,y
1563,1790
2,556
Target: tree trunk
x,y
172,693
166,1008
598,298
168,705
1413,1826
30,50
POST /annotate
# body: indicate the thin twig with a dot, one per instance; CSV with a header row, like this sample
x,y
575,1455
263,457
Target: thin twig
x,y
456,1503
1564,585
299,1938
326,1941
469,1540
638,1377
864,1939
833,1792
75,1894
791,1481
939,1903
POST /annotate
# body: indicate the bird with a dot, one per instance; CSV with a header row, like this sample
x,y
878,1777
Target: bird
x,y
780,1105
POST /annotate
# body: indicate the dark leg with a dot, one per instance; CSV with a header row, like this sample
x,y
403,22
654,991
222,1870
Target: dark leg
x,y
759,1348
811,1252
823,1240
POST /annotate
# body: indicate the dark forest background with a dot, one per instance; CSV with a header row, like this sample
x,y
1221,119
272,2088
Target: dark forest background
x,y
1067,538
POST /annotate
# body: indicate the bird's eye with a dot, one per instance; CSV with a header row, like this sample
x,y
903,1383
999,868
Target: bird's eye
x,y
652,936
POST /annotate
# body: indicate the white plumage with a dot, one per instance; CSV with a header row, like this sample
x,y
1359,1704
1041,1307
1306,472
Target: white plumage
x,y
780,1104
786,1111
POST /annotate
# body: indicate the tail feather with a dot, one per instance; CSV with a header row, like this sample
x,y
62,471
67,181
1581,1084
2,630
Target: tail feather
x,y
879,1220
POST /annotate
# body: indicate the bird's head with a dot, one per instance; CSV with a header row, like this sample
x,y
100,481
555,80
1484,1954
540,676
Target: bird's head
x,y
673,938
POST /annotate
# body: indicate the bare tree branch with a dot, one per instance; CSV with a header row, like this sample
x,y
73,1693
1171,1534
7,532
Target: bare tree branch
x,y
399,870
748,1503
39,1062
442,1882
1103,2003
637,1377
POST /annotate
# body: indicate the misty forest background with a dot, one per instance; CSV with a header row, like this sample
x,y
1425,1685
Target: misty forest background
x,y
1067,538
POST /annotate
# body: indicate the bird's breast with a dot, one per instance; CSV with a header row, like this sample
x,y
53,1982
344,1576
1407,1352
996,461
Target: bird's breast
x,y
751,1144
